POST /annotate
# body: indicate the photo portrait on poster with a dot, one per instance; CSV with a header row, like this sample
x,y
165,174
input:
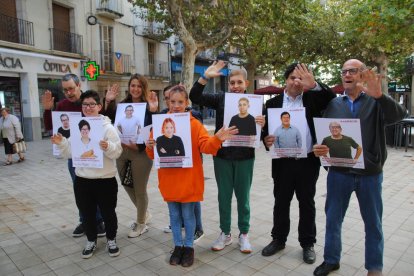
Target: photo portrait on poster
x,y
86,132
172,135
343,138
289,128
240,110
61,124
129,121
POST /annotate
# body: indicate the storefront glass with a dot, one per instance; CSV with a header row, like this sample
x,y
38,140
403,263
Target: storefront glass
x,y
10,95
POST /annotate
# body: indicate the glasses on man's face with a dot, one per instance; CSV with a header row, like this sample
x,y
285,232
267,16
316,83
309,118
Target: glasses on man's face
x,y
69,89
351,71
91,105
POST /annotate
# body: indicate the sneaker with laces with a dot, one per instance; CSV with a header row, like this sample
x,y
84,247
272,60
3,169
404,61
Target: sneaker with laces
x,y
89,249
221,242
198,235
244,244
113,249
100,229
137,230
79,231
167,229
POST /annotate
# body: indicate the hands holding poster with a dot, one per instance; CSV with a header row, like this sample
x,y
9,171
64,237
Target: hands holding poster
x,y
86,134
61,124
287,132
339,142
245,112
172,135
129,121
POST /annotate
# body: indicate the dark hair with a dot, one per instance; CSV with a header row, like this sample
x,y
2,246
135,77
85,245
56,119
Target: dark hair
x,y
64,115
69,77
290,69
90,94
130,105
166,89
284,113
145,89
83,123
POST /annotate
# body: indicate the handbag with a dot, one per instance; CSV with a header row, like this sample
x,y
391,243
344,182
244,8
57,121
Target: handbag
x,y
20,146
127,175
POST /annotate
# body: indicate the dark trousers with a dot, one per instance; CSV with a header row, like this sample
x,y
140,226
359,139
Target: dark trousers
x,y
90,193
297,176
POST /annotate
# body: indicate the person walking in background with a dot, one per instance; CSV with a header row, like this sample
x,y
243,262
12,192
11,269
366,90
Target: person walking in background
x,y
11,132
134,154
363,99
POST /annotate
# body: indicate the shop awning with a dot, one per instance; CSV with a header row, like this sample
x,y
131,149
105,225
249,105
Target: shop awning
x,y
269,90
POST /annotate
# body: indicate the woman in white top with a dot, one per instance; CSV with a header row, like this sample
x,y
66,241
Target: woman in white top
x,y
11,132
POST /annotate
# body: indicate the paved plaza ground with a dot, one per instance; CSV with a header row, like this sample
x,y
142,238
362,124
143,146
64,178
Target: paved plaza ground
x,y
38,215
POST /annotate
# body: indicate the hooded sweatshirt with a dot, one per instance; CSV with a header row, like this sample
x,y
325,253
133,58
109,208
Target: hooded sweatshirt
x,y
109,156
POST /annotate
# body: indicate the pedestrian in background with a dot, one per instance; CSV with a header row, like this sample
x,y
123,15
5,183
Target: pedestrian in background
x,y
11,132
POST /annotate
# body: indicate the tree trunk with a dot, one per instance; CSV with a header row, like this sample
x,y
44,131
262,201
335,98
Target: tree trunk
x,y
382,62
188,61
251,70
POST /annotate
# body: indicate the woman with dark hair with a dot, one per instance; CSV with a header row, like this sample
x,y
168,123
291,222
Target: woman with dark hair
x,y
11,132
134,154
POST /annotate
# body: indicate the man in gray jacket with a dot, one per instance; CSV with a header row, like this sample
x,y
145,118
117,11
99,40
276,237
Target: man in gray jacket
x,y
364,100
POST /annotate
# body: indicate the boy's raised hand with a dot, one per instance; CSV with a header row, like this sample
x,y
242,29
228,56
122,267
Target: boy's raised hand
x,y
213,70
306,76
48,100
153,101
226,133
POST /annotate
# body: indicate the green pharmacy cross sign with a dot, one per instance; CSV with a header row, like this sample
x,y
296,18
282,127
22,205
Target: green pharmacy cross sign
x,y
91,70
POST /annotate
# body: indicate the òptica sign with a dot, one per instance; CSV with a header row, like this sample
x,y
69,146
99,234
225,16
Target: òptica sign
x,y
10,62
57,67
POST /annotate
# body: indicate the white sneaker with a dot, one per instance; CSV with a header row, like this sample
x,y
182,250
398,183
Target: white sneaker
x,y
148,217
244,243
167,229
221,242
137,230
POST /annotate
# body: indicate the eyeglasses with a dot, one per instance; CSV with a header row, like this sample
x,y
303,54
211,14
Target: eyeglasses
x,y
69,89
351,71
91,105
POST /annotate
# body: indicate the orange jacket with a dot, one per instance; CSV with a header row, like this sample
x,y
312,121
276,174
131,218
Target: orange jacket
x,y
187,184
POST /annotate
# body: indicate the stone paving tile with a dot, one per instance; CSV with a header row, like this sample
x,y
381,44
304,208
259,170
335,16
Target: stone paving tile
x,y
38,217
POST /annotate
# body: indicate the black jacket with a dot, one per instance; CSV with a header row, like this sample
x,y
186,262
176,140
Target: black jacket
x,y
216,101
315,102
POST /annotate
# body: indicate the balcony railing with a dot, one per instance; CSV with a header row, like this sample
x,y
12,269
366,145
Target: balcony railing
x,y
16,30
66,42
156,69
113,61
109,8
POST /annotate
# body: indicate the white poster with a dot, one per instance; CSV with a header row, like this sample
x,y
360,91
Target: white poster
x,y
86,132
289,127
129,120
172,135
343,138
61,124
240,110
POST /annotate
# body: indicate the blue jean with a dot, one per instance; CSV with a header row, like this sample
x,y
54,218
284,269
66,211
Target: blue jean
x,y
71,169
182,213
368,191
197,213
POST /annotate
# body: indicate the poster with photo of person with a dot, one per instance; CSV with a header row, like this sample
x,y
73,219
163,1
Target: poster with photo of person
x,y
172,135
86,132
129,121
290,130
61,124
344,141
240,110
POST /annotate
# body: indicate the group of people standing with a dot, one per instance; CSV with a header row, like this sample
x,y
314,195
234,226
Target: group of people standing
x,y
183,188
